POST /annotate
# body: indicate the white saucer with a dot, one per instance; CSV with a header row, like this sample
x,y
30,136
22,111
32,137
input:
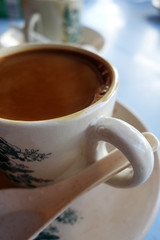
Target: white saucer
x,y
102,213
92,40
110,213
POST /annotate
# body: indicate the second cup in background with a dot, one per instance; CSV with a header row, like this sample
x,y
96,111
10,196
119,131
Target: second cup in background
x,y
53,20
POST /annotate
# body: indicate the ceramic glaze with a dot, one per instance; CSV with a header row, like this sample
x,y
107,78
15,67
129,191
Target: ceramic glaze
x,y
42,152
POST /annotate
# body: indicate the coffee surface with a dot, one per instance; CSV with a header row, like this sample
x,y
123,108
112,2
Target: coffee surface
x,y
46,84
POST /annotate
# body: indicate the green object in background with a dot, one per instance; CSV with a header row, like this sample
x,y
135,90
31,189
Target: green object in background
x,y
10,8
3,9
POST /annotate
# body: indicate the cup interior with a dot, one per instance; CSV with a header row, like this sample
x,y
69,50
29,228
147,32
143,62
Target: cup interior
x,y
104,68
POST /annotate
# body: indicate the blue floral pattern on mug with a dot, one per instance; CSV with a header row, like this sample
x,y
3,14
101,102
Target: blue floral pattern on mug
x,y
71,24
12,163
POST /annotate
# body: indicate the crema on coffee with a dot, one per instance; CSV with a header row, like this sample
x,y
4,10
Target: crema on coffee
x,y
42,84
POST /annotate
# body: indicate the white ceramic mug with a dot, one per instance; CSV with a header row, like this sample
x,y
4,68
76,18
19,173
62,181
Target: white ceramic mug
x,y
34,153
52,20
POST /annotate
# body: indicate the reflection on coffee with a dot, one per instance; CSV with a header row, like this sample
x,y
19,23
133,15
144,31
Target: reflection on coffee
x,y
43,84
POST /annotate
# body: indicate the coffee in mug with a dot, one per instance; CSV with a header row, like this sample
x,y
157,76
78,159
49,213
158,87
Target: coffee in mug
x,y
61,83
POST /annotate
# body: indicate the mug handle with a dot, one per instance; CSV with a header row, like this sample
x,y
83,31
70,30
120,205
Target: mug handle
x,y
31,28
130,142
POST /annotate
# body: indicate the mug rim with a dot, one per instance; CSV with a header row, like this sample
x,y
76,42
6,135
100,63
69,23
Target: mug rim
x,y
30,46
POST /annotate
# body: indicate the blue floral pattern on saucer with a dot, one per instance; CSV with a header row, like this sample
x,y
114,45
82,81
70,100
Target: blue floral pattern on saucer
x,y
68,217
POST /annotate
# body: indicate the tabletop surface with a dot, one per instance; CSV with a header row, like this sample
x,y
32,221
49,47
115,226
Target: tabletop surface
x,y
131,29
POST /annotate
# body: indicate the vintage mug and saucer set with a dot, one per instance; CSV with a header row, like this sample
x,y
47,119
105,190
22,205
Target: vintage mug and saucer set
x,y
100,220
47,151
39,152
